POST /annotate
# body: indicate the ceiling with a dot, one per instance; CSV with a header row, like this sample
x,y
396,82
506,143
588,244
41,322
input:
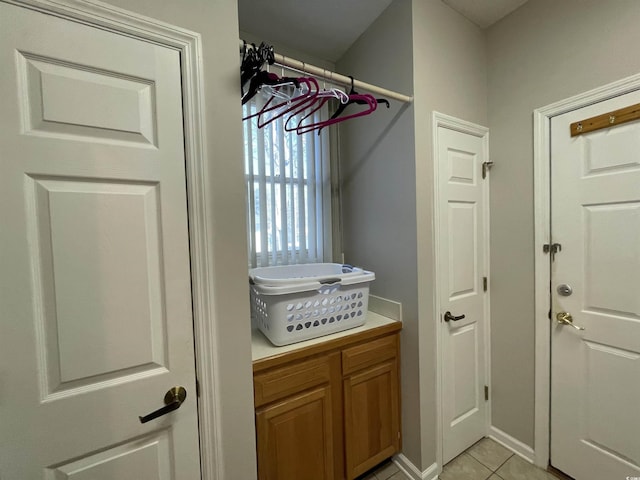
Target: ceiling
x,y
485,13
326,29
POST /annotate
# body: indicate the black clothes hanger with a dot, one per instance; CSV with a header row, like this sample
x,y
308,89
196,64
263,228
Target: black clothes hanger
x,y
358,101
252,61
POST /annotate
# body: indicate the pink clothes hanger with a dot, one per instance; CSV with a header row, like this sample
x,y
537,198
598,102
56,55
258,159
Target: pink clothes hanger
x,y
365,98
324,95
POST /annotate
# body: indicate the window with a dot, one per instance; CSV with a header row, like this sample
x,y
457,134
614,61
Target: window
x,y
288,192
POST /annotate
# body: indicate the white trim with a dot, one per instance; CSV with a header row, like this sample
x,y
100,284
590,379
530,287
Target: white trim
x,y
462,126
411,471
542,221
516,446
108,17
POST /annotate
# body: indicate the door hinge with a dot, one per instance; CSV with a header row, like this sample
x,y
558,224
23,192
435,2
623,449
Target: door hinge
x,y
486,392
485,167
552,248
485,283
197,388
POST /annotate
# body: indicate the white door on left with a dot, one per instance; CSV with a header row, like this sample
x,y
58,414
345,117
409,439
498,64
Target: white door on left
x,y
95,296
462,226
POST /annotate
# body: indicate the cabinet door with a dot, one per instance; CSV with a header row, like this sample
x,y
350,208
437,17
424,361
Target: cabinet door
x,y
295,438
371,414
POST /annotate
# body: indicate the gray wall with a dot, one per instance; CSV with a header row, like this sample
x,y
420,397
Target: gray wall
x,y
387,160
378,189
544,52
450,76
217,22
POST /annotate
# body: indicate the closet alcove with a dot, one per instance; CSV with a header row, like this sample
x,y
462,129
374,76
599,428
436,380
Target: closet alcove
x,y
373,157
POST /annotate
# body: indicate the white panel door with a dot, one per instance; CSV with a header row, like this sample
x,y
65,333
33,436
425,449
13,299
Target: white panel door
x,y
461,257
595,377
96,320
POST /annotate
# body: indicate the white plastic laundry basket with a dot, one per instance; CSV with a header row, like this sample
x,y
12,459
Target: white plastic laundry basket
x,y
293,303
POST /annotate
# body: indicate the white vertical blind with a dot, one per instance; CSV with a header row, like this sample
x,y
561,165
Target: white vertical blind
x,y
287,179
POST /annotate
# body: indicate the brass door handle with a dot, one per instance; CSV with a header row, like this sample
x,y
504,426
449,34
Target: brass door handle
x,y
565,318
448,317
173,399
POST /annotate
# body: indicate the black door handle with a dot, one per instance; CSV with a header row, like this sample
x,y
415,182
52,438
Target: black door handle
x,y
173,399
448,317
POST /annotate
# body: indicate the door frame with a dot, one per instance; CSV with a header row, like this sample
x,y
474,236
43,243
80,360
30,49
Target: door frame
x,y
108,17
542,223
462,126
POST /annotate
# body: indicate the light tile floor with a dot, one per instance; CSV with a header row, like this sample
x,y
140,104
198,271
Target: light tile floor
x,y
486,460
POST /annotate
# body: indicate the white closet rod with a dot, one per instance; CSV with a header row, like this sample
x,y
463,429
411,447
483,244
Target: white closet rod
x,y
333,77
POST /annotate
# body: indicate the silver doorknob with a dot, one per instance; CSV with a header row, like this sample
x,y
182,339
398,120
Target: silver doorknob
x,y
565,318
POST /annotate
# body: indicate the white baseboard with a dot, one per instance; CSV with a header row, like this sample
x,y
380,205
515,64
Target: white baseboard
x,y
411,471
516,446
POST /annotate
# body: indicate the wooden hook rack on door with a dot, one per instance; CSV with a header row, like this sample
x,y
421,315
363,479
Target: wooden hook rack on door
x,y
606,120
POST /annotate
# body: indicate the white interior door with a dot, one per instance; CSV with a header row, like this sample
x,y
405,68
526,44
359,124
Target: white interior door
x,y
95,297
462,266
595,377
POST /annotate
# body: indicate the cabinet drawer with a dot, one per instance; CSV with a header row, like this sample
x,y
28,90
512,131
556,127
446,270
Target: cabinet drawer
x,y
282,382
370,353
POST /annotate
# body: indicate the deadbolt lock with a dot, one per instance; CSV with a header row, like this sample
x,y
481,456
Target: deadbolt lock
x,y
564,290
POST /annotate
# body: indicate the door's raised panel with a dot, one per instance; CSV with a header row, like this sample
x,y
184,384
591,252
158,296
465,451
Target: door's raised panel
x,y
464,361
147,458
612,151
463,250
461,167
612,258
612,416
67,100
99,280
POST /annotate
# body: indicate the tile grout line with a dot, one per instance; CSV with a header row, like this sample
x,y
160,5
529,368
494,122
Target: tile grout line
x,y
501,465
487,466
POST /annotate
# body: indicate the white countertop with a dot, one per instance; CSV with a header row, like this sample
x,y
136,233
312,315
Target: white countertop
x,y
261,347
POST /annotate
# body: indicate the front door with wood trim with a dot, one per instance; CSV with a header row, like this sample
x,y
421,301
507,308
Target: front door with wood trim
x,y
95,317
595,295
462,228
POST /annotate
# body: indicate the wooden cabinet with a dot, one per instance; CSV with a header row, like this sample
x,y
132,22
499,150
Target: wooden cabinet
x,y
371,408
295,437
298,420
331,411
